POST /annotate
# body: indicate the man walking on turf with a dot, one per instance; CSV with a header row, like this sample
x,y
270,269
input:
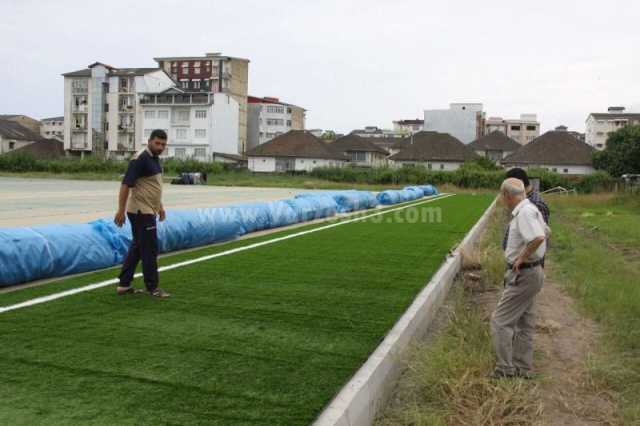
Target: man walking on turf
x,y
513,321
143,180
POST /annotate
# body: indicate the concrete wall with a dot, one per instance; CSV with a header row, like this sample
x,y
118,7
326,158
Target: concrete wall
x,y
431,165
262,164
308,164
225,116
559,168
5,144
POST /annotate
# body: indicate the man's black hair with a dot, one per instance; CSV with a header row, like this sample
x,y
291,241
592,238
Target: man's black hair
x,y
158,133
520,174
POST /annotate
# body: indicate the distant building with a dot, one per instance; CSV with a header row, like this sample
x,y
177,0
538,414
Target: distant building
x,y
391,144
44,149
269,117
199,124
408,126
14,136
213,73
53,128
556,151
599,125
577,135
360,151
296,150
435,151
24,120
494,146
464,121
375,132
102,111
522,130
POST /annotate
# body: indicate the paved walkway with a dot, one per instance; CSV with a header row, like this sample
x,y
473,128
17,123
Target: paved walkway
x,y
26,202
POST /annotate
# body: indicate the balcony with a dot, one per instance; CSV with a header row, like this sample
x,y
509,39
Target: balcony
x,y
177,99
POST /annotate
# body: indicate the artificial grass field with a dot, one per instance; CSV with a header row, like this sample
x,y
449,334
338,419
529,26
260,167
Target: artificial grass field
x,y
265,336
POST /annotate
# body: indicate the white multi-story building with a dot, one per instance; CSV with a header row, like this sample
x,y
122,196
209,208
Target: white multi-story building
x,y
522,130
464,121
269,117
199,125
102,112
599,125
52,128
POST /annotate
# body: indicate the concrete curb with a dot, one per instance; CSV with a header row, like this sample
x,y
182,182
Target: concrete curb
x,y
361,398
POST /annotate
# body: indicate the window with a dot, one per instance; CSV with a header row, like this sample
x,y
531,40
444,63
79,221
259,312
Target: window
x,y
566,170
196,70
515,128
184,84
181,134
200,152
288,123
180,152
183,115
555,169
201,133
201,113
12,145
196,84
276,109
441,166
149,114
163,113
429,166
275,122
289,110
531,128
358,156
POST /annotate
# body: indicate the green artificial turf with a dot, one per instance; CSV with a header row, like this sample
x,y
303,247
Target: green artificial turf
x,y
266,336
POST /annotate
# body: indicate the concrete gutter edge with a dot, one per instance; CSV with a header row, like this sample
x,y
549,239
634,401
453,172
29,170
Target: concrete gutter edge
x,y
360,400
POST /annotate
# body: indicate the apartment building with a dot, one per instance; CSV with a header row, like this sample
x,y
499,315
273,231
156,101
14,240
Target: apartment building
x,y
407,127
522,130
102,113
599,125
215,73
52,127
269,117
199,124
376,132
463,121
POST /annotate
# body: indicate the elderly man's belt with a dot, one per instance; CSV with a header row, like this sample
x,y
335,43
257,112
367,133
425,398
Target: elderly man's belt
x,y
527,265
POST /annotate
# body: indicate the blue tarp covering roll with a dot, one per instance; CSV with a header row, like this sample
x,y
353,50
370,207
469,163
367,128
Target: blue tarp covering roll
x,y
28,254
417,189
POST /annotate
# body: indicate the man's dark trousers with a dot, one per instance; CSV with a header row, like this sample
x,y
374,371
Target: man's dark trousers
x,y
143,247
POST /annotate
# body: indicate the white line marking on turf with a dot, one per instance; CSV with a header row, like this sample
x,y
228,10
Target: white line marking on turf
x,y
54,296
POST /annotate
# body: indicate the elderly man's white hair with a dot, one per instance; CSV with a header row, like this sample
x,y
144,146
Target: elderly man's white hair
x,y
513,187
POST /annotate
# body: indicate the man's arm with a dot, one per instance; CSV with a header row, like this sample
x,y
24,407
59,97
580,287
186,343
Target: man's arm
x,y
123,196
528,251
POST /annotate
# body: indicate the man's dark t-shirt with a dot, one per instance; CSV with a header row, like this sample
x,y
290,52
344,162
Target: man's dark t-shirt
x,y
144,177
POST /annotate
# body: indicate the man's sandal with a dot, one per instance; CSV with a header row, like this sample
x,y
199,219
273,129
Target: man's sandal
x,y
158,292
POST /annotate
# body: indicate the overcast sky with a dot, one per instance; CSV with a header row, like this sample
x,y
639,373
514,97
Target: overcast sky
x,y
350,63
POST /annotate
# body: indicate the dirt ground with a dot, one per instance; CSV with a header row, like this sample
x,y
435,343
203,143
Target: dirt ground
x,y
27,202
563,342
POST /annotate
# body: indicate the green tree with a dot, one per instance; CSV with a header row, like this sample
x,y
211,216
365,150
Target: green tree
x,y
622,154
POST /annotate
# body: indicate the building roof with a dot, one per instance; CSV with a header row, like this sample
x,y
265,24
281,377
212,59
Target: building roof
x,y
409,122
53,119
295,143
434,146
553,147
234,157
269,100
615,116
388,142
198,58
121,72
12,130
494,141
352,142
43,149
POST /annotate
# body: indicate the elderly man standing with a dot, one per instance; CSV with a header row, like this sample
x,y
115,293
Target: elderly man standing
x,y
513,322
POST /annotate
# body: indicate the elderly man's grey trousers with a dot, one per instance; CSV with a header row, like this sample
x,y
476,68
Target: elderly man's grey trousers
x,y
513,321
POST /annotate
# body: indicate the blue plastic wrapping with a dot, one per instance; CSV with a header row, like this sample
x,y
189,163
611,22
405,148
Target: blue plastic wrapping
x,y
253,216
281,214
23,256
184,229
417,189
429,190
394,196
347,200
